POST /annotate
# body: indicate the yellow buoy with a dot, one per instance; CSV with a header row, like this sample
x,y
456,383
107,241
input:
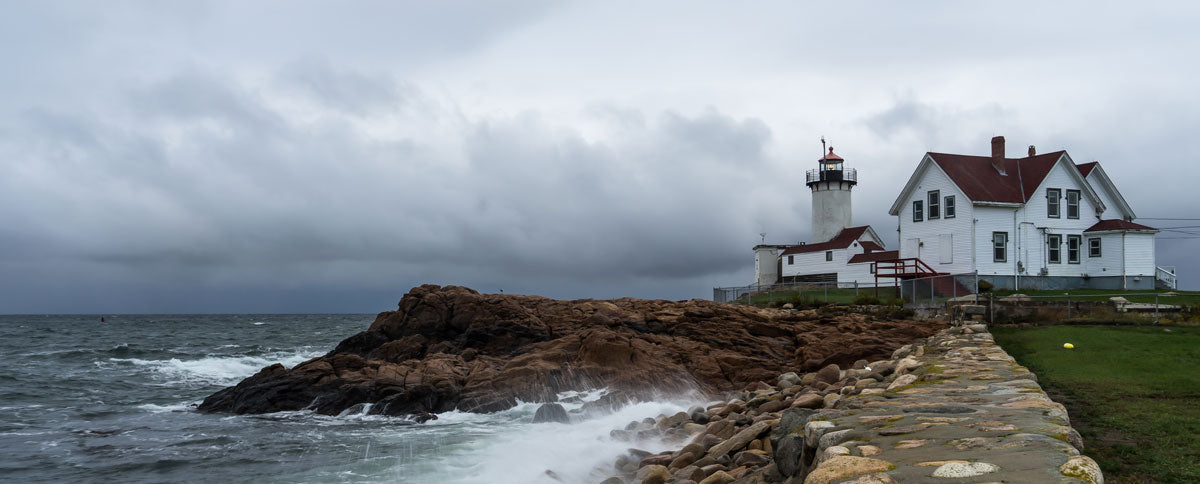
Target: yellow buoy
x,y
1068,345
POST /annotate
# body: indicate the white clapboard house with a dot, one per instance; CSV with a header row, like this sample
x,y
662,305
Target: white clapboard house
x,y
1037,222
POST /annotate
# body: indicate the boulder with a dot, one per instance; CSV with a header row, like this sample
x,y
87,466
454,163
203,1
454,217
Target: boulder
x,y
844,467
829,374
719,477
739,440
790,377
749,459
690,473
788,453
551,412
808,400
653,474
1083,468
684,460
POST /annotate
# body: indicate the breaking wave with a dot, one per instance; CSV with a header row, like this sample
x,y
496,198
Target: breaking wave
x,y
221,370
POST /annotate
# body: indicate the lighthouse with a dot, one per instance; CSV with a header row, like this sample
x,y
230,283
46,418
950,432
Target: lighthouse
x,y
831,184
839,252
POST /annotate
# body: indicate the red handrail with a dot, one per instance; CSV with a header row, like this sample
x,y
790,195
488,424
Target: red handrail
x,y
907,267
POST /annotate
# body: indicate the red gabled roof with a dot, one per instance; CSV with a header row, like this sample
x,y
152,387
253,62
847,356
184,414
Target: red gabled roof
x,y
982,182
1117,224
843,239
1086,168
875,256
869,246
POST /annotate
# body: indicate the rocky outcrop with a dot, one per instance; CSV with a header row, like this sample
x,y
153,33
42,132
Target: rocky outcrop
x,y
951,408
451,347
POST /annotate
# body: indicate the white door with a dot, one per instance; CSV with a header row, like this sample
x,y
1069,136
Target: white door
x,y
946,248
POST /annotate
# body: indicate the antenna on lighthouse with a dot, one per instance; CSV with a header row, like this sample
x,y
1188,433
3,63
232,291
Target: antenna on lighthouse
x,y
764,237
822,147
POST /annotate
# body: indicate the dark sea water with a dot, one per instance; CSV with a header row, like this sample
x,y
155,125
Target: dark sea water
x,y
85,401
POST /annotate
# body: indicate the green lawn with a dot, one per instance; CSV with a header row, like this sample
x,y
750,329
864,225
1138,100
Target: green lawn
x,y
1132,392
1187,298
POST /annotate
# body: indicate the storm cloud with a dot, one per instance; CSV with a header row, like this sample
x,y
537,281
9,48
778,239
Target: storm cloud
x,y
306,157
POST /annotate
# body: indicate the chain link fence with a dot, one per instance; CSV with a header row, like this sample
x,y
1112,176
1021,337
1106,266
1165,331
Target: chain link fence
x,y
827,292
922,290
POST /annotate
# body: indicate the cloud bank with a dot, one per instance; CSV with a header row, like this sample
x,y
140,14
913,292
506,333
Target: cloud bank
x,y
298,158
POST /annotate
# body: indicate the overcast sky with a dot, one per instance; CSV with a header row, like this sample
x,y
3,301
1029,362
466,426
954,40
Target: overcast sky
x,y
327,156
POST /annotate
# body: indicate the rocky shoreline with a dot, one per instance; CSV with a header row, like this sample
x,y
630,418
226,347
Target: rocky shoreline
x,y
953,407
448,348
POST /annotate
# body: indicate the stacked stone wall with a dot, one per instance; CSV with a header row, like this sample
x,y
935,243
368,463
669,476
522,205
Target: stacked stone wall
x,y
953,407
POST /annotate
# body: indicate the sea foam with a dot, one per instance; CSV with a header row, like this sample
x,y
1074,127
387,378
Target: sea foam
x,y
512,449
222,370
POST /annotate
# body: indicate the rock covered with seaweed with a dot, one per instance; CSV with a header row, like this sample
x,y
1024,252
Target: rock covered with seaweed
x,y
451,347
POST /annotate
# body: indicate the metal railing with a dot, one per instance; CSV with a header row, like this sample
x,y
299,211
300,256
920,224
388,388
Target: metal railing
x,y
910,266
848,174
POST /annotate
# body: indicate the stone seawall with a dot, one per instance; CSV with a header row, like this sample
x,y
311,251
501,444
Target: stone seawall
x,y
953,407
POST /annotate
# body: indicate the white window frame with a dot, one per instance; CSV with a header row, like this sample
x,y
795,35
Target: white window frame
x,y
935,204
949,207
918,211
829,255
1095,247
1054,248
1073,206
1077,241
1001,244
1054,202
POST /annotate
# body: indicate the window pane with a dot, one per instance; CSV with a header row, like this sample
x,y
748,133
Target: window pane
x,y
1073,242
935,207
1054,243
1052,202
950,206
1094,247
918,212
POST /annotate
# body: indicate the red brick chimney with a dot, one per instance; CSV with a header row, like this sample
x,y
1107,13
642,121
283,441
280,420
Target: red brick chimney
x,y
998,148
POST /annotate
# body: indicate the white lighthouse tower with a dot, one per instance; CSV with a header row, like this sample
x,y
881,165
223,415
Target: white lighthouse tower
x,y
831,185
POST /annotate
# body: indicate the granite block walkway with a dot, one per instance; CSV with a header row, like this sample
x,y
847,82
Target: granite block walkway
x,y
966,412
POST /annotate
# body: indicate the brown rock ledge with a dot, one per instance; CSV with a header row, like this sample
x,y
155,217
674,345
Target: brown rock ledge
x,y
451,347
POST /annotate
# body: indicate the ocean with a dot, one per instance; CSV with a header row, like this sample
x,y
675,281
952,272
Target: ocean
x,y
88,401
